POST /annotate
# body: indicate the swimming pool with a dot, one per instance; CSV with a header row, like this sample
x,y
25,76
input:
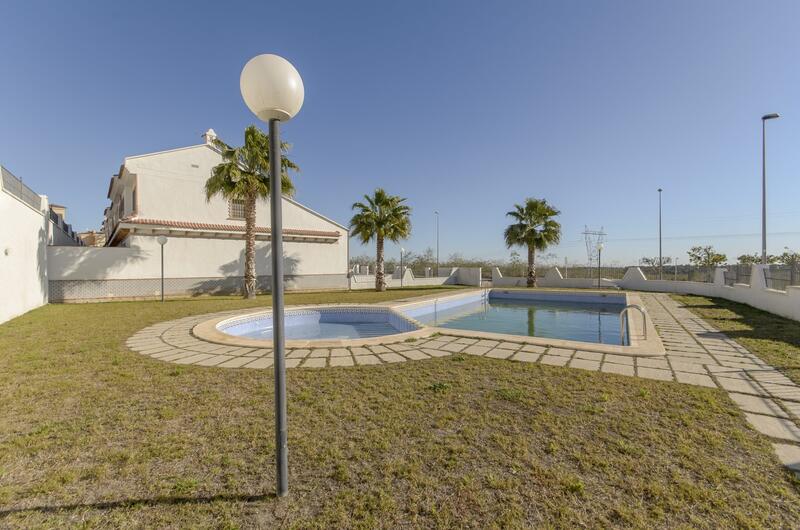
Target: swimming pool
x,y
563,315
322,323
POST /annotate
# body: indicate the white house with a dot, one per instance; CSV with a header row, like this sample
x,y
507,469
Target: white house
x,y
163,194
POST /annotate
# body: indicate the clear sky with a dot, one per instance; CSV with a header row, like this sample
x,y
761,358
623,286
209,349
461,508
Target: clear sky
x,y
464,107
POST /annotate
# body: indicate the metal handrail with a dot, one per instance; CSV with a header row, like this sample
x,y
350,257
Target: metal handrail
x,y
622,322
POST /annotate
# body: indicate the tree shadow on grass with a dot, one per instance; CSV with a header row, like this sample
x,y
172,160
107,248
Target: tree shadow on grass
x,y
165,500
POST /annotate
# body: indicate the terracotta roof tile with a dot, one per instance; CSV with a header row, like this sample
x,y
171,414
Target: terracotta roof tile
x,y
189,225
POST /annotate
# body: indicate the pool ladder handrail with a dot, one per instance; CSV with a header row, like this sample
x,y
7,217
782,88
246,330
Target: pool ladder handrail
x,y
622,321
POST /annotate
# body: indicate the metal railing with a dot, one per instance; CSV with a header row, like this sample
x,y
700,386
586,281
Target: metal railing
x,y
622,322
609,273
14,186
738,274
681,273
780,277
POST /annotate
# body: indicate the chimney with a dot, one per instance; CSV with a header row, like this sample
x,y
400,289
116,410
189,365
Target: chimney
x,y
209,136
59,210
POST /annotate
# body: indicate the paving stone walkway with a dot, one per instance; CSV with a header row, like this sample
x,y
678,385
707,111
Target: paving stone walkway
x,y
697,354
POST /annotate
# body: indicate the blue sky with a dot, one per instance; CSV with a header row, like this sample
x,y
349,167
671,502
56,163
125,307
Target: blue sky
x,y
464,107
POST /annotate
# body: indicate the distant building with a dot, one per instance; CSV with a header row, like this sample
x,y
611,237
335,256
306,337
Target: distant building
x,y
93,238
60,233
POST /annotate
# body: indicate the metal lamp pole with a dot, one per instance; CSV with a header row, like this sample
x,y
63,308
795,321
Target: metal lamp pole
x,y
660,259
162,241
764,119
437,241
278,342
273,90
402,250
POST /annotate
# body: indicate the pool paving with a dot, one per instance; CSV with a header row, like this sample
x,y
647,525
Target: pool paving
x,y
696,354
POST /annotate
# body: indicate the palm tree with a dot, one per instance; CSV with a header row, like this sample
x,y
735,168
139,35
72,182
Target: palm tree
x,y
382,216
534,228
244,176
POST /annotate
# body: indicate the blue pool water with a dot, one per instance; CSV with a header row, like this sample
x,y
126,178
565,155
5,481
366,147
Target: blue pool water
x,y
323,323
581,318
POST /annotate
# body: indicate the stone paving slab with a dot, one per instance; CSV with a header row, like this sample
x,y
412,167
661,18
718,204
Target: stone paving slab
x,y
554,360
774,427
341,361
654,373
789,455
757,405
499,353
621,369
525,357
315,362
585,364
692,378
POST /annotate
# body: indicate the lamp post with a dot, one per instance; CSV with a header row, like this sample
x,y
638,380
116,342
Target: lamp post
x,y
402,251
599,253
660,259
764,119
162,240
437,241
273,90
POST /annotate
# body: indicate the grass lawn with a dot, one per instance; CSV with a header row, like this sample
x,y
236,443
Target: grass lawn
x,y
94,435
774,339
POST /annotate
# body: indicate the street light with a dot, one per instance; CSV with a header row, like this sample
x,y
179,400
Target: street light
x,y
402,250
599,252
437,241
764,119
660,259
273,90
162,240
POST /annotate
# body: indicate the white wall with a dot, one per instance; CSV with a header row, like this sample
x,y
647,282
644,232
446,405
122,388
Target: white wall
x,y
458,276
186,257
23,265
57,236
468,276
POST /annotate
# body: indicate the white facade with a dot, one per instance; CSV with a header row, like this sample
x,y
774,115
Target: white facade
x,y
164,194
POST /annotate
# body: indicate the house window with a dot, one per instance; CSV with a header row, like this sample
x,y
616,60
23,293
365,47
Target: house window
x,y
236,209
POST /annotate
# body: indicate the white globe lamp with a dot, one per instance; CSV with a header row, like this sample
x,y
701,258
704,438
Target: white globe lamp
x,y
271,88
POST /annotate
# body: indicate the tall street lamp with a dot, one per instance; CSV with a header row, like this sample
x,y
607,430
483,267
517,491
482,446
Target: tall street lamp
x,y
660,259
162,240
764,119
599,270
402,272
273,90
437,241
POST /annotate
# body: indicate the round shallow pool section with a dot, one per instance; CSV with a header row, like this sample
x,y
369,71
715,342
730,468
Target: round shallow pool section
x,y
322,323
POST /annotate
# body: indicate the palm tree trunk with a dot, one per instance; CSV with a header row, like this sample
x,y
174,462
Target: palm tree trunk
x,y
250,246
380,276
531,267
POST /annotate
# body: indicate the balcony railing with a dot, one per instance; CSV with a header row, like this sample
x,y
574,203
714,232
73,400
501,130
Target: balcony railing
x,y
14,186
